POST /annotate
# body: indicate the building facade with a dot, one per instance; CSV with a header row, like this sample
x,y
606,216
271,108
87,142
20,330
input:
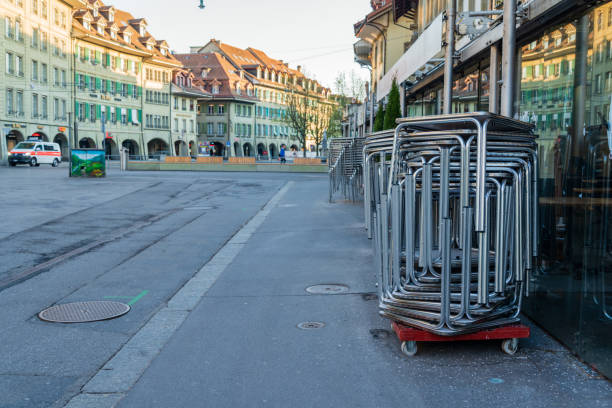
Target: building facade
x,y
261,88
184,114
563,85
122,84
35,84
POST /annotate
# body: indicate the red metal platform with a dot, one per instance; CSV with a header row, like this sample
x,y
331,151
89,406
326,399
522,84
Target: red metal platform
x,y
518,331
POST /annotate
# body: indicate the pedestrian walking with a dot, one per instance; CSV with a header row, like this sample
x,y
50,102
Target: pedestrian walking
x,y
281,155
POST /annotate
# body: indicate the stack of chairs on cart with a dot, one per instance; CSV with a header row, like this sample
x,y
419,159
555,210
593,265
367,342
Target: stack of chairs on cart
x,y
451,206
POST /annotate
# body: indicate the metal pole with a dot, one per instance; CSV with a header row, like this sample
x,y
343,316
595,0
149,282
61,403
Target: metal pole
x,y
70,144
494,79
508,58
373,96
448,59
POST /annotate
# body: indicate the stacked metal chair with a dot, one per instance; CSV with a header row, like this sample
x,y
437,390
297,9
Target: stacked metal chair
x,y
451,205
346,167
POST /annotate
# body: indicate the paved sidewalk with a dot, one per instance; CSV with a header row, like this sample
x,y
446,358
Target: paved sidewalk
x,y
240,345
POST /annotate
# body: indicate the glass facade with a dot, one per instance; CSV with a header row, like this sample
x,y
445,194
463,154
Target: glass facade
x,y
566,90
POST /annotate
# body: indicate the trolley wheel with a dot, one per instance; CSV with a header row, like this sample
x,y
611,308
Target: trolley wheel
x,y
510,346
409,348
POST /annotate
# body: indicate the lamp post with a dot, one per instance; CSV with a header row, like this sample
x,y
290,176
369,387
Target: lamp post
x,y
201,6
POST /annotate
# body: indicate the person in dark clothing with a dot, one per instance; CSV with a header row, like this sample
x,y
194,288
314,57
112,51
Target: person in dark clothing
x,y
281,155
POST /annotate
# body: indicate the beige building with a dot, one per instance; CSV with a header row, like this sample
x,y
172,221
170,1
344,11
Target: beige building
x,y
35,85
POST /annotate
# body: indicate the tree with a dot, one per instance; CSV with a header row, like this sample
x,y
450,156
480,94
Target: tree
x,y
350,86
298,116
320,119
379,122
393,107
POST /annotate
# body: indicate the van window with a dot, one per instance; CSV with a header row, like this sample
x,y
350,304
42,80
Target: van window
x,y
25,145
49,148
38,148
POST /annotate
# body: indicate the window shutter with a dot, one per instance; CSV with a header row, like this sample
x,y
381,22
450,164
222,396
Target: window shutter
x,y
139,115
130,89
129,65
99,111
129,115
86,110
76,109
108,61
86,81
76,79
118,87
98,83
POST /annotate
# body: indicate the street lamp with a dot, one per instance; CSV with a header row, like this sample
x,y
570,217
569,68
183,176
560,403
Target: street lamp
x,y
202,4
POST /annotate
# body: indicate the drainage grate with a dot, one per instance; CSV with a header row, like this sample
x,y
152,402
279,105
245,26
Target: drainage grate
x,y
311,325
327,289
81,312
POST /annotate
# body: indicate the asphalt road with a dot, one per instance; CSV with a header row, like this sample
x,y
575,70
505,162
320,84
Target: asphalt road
x,y
215,267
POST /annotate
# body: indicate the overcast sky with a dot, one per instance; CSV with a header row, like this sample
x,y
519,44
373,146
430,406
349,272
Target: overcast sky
x,y
317,34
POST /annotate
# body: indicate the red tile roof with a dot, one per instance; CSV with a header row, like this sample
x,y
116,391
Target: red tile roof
x,y
124,21
217,71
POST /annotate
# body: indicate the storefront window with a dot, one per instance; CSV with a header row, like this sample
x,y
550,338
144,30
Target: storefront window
x,y
566,77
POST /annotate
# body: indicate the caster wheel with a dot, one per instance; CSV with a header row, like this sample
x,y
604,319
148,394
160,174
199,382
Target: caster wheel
x,y
409,348
510,346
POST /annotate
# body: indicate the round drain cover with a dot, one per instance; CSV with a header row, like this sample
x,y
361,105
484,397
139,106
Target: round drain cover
x,y
81,312
311,325
327,289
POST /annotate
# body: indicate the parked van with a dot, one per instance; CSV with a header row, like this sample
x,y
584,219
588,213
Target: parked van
x,y
35,153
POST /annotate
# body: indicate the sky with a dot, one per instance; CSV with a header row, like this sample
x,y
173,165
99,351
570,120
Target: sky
x,y
316,34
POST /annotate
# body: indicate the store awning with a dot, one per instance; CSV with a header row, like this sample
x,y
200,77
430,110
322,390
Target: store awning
x,y
428,46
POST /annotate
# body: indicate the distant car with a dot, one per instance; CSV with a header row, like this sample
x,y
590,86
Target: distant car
x,y
35,153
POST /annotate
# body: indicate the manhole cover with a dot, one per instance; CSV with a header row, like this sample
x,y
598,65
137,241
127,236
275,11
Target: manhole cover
x,y
327,289
81,312
311,325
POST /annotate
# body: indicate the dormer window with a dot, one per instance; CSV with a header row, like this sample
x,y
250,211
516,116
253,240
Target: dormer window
x,y
142,30
163,51
149,47
188,82
215,89
111,15
100,30
113,34
86,25
95,12
127,38
238,91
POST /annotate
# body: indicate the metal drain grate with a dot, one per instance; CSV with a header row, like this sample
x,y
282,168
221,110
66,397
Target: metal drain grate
x,y
82,312
311,325
327,289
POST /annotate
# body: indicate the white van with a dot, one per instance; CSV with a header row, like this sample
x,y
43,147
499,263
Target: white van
x,y
35,153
